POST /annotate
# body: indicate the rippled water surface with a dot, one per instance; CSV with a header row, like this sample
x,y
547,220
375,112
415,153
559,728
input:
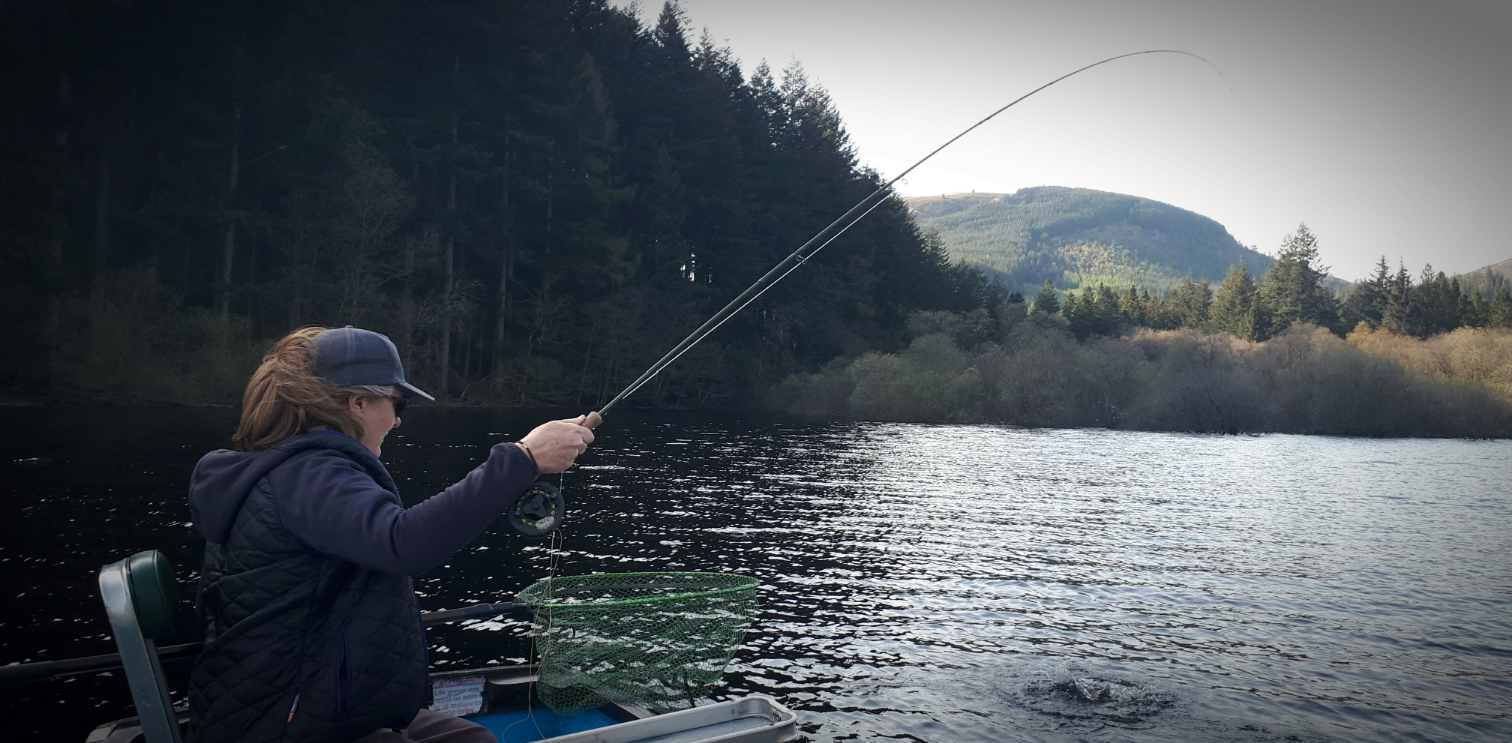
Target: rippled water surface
x,y
921,583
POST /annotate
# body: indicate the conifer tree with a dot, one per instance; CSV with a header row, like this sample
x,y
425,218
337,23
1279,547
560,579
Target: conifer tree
x,y
1499,313
1472,310
1105,310
1427,305
1077,315
1292,290
1367,300
1189,302
1449,302
1398,316
1157,312
1047,300
1131,308
1234,304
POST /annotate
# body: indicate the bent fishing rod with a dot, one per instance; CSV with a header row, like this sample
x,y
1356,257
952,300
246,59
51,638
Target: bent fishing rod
x,y
827,235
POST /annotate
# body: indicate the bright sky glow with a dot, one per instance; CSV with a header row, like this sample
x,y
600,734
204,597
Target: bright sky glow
x,y
1387,127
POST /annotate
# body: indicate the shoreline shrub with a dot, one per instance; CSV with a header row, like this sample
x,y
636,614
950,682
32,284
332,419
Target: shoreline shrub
x,y
1033,372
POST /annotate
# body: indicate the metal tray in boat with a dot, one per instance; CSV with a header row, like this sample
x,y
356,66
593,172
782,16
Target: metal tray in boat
x,y
752,719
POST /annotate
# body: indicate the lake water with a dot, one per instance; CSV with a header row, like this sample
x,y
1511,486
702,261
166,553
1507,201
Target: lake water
x,y
921,583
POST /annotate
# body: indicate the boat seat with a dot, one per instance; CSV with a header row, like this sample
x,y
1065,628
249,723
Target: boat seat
x,y
140,595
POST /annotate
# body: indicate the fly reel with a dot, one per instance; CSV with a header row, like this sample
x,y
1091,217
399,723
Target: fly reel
x,y
539,510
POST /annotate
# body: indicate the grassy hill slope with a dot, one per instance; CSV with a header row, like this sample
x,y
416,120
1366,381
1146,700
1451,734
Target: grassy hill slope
x,y
1080,237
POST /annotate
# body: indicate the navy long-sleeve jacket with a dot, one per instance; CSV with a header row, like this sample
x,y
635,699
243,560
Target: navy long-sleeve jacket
x,y
312,628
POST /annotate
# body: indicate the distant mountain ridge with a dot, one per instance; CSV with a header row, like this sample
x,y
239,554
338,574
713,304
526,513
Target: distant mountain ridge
x,y
1081,237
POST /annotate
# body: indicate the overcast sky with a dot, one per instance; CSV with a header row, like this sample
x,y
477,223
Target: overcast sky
x,y
1386,127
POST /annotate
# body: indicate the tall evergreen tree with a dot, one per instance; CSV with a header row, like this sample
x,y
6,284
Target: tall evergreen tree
x,y
1106,310
1472,309
1235,302
1131,308
1292,290
1427,305
1399,316
1367,299
1456,305
1078,316
1499,311
1190,302
1446,312
1047,300
1157,312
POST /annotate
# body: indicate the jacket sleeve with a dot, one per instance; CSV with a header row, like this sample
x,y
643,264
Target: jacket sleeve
x,y
334,507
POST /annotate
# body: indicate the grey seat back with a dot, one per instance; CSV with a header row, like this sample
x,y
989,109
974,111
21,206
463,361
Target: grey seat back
x,y
139,593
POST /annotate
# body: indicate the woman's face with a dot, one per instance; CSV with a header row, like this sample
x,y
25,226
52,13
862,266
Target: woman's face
x,y
377,416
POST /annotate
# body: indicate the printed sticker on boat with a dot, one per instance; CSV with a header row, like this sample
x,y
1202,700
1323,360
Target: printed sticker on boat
x,y
458,696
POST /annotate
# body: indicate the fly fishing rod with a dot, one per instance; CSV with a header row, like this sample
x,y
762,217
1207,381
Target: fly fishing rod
x,y
23,673
825,237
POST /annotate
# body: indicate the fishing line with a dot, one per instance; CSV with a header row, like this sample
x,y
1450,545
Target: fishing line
x,y
829,233
555,546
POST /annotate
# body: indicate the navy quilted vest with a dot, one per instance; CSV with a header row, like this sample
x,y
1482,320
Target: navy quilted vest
x,y
286,623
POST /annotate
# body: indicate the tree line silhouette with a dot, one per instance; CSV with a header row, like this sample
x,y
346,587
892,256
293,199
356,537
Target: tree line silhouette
x,y
1291,291
533,199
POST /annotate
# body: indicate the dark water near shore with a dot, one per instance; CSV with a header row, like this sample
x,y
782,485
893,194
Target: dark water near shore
x,y
922,583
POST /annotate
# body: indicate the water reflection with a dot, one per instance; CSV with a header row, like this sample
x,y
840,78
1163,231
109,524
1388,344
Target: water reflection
x,y
963,583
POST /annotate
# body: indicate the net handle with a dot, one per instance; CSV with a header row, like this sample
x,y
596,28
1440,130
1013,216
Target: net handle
x,y
748,584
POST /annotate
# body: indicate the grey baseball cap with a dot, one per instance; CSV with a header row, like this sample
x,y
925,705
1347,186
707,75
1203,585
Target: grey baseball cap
x,y
347,357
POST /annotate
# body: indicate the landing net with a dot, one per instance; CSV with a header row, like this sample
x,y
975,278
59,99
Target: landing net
x,y
654,639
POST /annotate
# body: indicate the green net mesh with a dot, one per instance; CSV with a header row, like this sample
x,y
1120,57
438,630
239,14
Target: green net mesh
x,y
653,639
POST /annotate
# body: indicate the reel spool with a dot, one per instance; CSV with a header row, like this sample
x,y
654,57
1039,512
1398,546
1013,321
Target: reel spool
x,y
539,511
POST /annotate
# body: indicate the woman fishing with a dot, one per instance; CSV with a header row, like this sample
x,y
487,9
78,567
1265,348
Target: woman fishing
x,y
312,628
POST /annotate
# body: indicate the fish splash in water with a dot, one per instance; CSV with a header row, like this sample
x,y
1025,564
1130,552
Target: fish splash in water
x,y
1075,695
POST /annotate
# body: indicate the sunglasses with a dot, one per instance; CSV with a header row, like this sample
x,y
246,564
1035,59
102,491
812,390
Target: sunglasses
x,y
399,402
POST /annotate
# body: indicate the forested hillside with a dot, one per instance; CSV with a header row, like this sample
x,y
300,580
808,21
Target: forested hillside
x,y
1490,280
534,199
1503,269
1078,237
